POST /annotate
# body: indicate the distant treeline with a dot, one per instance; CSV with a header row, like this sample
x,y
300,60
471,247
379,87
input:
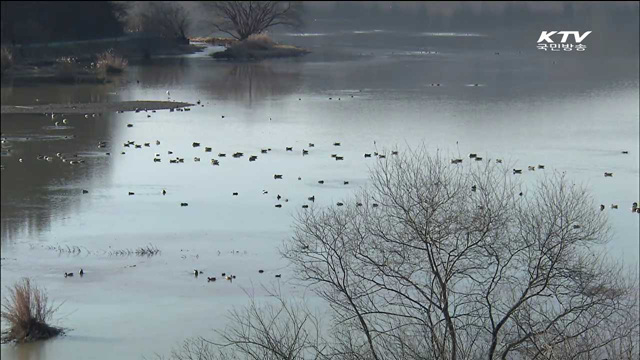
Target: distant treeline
x,y
26,22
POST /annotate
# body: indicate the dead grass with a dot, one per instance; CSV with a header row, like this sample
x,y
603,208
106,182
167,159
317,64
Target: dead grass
x,y
7,59
214,40
110,63
149,250
258,47
67,68
259,41
27,310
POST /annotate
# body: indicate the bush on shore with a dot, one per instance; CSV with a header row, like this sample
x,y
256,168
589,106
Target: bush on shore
x,y
27,310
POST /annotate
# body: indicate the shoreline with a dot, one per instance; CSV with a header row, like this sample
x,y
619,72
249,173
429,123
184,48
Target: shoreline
x,y
94,107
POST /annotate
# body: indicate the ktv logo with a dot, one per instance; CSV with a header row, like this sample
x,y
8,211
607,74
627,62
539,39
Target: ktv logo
x,y
546,42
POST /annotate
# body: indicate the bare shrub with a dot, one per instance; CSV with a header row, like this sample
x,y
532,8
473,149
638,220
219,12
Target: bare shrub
x,y
6,57
110,63
27,310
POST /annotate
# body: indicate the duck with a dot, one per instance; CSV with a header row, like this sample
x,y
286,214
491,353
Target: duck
x,y
320,182
164,192
312,198
634,206
517,171
472,155
602,207
541,167
85,191
238,154
260,271
81,272
305,152
532,168
289,148
64,121
138,146
157,142
311,145
474,188
66,274
277,176
625,152
381,156
367,155
130,125
253,158
614,206
394,153
375,205
264,151
147,144
336,144
235,194
210,279
207,149
195,272
170,152
334,155
305,206
278,197
456,161
278,205
184,204
478,158
222,154
278,275
358,203
345,182
154,159
607,174
195,144
499,161
339,204
131,193
339,158
299,178
196,159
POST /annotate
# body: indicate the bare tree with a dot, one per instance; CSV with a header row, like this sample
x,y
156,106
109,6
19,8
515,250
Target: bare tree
x,y
240,19
164,18
437,260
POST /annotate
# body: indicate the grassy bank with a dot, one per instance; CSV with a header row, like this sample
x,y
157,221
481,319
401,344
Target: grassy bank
x,y
259,47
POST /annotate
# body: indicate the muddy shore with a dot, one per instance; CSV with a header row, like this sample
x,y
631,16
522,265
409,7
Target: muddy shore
x,y
94,107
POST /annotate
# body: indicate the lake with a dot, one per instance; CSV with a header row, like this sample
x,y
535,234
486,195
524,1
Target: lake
x,y
370,89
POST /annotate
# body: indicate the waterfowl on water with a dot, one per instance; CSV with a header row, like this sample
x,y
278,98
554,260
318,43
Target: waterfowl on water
x,y
336,144
374,205
576,226
334,155
540,166
253,158
278,205
456,161
305,206
195,272
478,158
474,188
264,151
157,142
381,156
129,125
289,148
66,274
311,145
215,162
64,121
277,176
625,152
195,144
614,206
235,194
517,171
305,152
367,155
499,161
346,183
169,152
138,146
184,204
210,279
278,197
238,154
131,193
207,149
164,192
278,275
339,204
260,271
147,144
634,206
312,198
81,272
606,174
394,153
196,159
339,158
85,191
601,207
222,155
320,182
358,204
532,168
472,155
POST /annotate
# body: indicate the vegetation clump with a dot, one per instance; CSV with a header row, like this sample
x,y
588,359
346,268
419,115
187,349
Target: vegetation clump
x,y
27,310
259,47
110,63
